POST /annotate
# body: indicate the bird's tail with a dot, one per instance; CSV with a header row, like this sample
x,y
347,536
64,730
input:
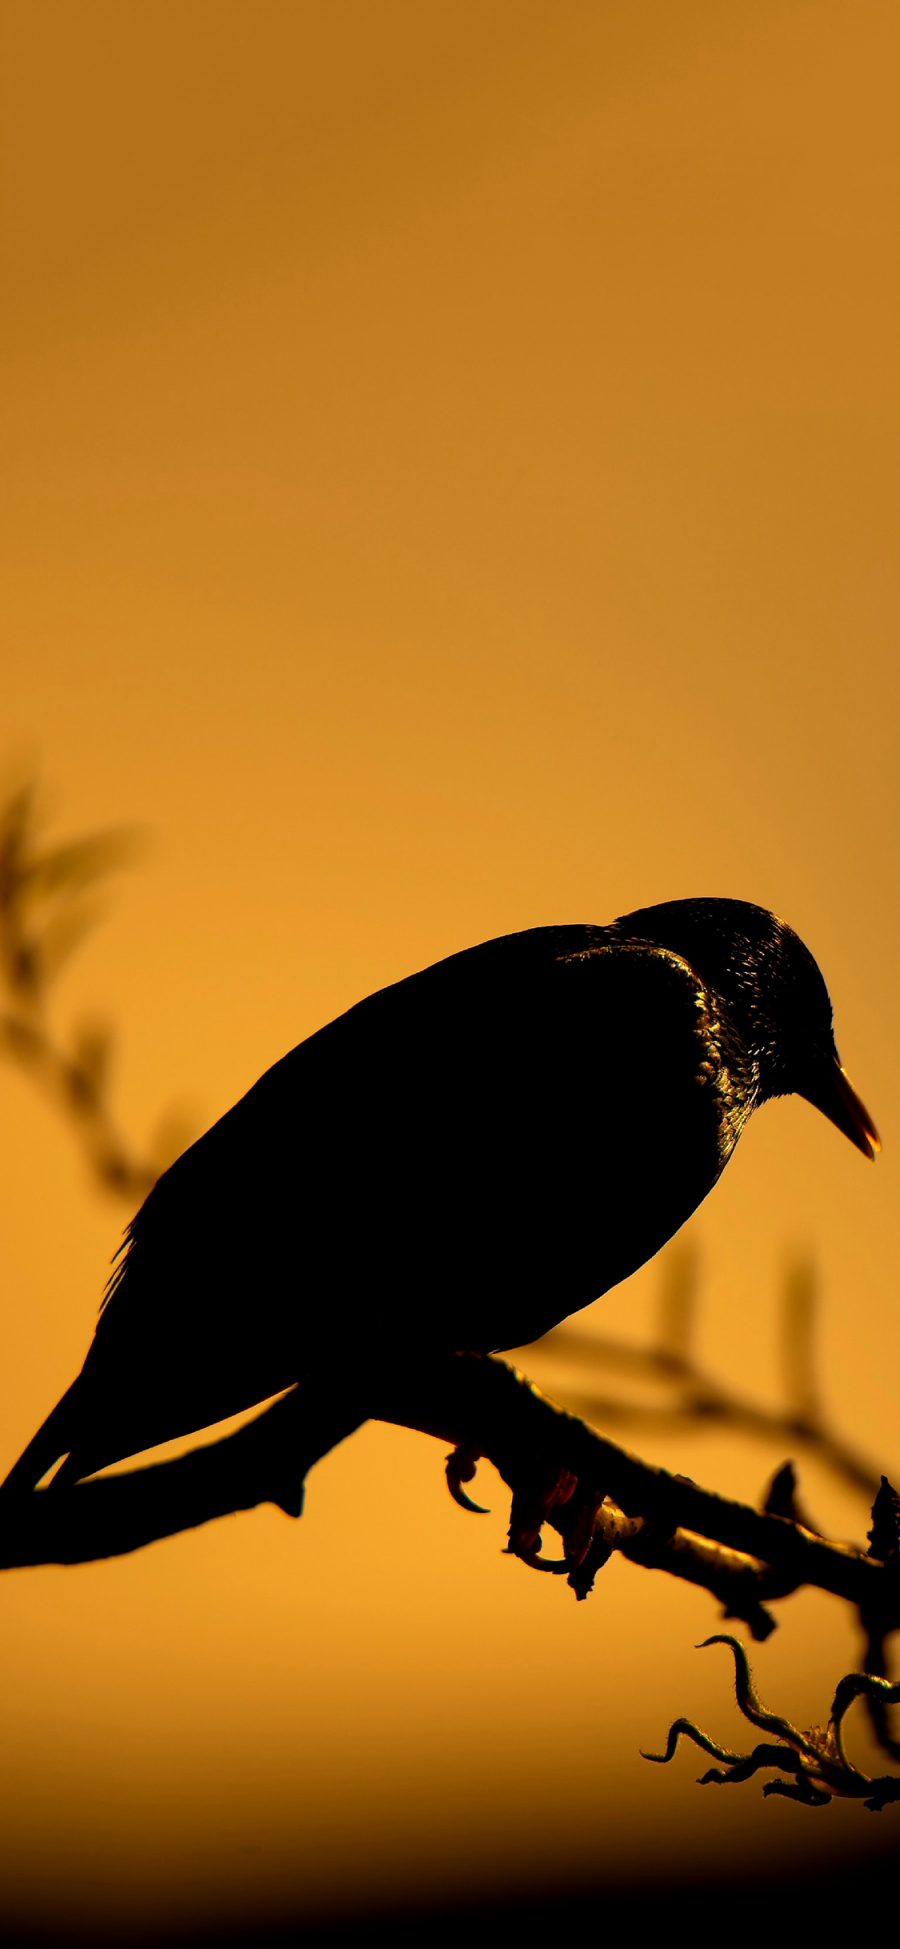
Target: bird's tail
x,y
53,1440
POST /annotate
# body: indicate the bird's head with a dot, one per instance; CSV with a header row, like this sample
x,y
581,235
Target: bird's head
x,y
773,993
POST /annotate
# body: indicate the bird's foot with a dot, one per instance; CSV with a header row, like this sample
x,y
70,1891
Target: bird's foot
x,y
573,1509
549,1493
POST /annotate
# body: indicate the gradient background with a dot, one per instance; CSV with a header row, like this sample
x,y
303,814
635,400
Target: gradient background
x,y
449,484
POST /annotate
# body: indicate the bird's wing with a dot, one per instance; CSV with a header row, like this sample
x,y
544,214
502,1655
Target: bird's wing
x,y
430,1165
487,1065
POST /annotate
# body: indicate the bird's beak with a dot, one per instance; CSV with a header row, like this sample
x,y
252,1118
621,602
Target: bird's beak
x,y
834,1095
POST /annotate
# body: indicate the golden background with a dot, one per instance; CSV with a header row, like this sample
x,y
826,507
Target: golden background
x,y
449,484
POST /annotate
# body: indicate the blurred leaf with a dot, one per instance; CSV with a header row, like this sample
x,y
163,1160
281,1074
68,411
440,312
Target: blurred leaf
x,y
92,1046
20,1038
64,934
16,819
799,1321
77,864
23,965
678,1297
173,1134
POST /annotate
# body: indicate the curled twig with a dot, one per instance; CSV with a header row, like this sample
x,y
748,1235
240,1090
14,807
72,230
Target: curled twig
x,y
814,1758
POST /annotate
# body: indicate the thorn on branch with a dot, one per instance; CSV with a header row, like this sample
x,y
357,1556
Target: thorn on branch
x,y
884,1535
782,1498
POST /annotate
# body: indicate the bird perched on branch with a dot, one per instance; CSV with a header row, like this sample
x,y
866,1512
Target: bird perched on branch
x,y
457,1163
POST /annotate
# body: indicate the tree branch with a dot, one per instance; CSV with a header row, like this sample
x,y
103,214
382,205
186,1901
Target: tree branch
x,y
743,1556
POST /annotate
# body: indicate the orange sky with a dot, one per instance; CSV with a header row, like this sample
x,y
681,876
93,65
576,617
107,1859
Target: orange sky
x,y
449,484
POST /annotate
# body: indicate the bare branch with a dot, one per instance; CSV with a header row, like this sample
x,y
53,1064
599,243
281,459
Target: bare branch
x,y
663,1521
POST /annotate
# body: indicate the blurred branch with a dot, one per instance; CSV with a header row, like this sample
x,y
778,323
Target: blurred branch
x,y
47,906
696,1398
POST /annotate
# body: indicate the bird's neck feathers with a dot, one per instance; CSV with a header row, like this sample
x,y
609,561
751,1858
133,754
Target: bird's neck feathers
x,y
764,979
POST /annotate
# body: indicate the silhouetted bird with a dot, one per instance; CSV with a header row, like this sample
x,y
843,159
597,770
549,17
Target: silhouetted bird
x,y
458,1162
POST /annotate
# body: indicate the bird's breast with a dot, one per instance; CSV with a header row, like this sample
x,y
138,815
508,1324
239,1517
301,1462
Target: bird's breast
x,y
575,1200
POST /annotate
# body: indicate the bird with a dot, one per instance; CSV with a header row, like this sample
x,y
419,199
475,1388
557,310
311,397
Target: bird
x,y
456,1164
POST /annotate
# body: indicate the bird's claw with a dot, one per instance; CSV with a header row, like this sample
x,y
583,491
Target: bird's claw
x,y
461,1467
553,1566
532,1505
573,1509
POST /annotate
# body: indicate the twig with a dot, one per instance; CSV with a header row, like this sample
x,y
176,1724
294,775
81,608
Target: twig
x,y
814,1757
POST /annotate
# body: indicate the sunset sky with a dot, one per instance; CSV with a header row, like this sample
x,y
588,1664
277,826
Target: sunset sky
x,y
449,484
